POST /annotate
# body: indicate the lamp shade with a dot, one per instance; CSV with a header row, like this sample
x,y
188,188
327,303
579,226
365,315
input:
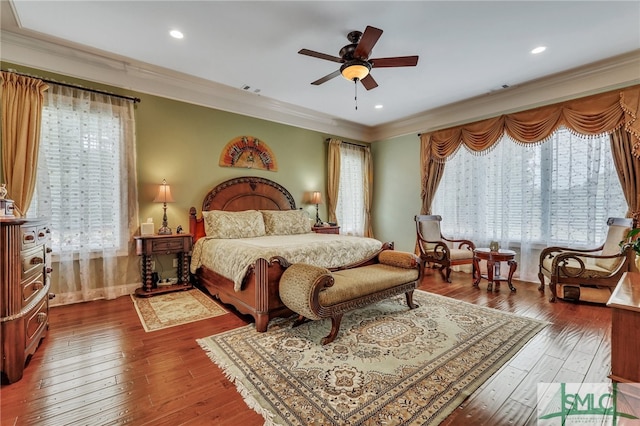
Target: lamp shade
x,y
164,193
355,70
316,197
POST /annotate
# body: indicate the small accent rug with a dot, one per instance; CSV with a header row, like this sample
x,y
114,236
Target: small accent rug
x,y
389,365
171,309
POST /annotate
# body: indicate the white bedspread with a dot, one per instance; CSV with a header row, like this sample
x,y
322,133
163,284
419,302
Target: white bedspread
x,y
231,258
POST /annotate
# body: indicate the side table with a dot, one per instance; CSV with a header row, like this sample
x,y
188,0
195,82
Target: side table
x,y
332,229
493,259
149,245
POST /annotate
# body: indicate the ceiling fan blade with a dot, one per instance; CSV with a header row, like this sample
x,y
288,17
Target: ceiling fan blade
x,y
326,78
367,41
320,55
369,83
399,61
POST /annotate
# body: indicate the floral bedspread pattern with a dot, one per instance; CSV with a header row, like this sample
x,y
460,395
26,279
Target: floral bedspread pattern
x,y
232,258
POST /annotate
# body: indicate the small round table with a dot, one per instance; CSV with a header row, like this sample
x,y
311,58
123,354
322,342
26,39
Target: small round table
x,y
493,259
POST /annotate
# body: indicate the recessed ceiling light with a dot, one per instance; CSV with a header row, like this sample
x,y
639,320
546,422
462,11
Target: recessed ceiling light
x,y
378,106
539,49
176,34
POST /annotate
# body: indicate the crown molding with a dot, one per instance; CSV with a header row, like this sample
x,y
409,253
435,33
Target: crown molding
x,y
598,77
62,57
97,66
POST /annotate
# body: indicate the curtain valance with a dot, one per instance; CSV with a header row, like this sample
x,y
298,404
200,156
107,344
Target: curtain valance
x,y
592,115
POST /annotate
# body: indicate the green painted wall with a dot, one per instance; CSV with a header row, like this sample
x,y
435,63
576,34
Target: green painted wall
x,y
181,143
396,188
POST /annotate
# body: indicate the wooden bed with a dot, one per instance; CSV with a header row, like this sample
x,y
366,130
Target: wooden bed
x,y
259,296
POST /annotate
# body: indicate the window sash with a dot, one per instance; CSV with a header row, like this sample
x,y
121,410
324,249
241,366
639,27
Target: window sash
x,y
557,193
81,183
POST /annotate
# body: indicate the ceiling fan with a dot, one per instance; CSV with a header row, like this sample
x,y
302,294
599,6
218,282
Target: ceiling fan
x,y
355,61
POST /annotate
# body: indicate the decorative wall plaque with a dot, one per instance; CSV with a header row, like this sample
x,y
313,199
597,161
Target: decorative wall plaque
x,y
249,153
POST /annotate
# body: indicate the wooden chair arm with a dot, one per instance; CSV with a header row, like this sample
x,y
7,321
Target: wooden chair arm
x,y
440,250
549,251
560,262
469,245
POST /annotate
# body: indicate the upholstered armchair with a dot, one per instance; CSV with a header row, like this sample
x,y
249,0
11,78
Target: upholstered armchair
x,y
436,250
598,267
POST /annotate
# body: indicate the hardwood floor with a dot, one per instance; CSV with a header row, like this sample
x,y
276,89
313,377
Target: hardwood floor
x,y
97,366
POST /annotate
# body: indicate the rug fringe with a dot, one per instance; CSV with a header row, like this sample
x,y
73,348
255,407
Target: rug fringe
x,y
242,390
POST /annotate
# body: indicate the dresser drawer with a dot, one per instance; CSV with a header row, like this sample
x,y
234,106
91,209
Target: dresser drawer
x,y
33,261
31,287
36,322
33,235
29,238
169,245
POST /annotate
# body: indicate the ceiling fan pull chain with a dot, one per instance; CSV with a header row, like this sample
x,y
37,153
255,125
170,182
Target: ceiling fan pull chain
x,y
355,80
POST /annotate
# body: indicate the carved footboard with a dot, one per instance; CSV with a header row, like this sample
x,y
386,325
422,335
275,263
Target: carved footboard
x,y
260,296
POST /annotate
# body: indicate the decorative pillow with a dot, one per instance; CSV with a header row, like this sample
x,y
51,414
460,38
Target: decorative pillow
x,y
400,259
286,222
222,224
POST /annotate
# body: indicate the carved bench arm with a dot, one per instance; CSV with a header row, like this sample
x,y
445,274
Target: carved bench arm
x,y
300,285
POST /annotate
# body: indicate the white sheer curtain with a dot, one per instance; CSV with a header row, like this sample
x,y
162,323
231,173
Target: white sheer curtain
x,y
86,186
350,209
560,192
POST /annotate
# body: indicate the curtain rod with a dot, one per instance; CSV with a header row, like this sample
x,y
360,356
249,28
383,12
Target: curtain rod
x,y
76,86
349,143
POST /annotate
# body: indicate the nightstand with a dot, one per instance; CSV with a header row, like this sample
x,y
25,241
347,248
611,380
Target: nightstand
x,y
149,245
326,229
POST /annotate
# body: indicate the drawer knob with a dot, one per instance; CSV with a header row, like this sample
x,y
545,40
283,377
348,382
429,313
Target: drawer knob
x,y
52,296
42,317
49,249
29,238
49,270
41,234
37,260
38,285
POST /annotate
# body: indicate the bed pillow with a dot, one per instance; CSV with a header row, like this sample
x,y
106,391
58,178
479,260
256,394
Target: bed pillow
x,y
222,224
286,222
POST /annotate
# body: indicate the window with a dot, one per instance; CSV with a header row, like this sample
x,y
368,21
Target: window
x,y
82,180
555,193
350,208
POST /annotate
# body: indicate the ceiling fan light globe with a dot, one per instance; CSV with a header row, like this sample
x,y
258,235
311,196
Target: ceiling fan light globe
x,y
356,70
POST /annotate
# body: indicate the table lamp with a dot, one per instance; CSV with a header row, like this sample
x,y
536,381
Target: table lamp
x,y
316,198
164,196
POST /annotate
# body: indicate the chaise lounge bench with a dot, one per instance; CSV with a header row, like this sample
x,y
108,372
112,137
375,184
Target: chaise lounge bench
x,y
315,293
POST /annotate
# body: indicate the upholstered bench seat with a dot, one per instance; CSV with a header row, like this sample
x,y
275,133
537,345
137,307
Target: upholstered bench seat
x,y
315,293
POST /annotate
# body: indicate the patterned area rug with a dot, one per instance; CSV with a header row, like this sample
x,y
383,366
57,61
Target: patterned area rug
x,y
388,365
171,309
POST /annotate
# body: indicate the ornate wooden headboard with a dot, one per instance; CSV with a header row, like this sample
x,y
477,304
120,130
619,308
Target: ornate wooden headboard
x,y
242,193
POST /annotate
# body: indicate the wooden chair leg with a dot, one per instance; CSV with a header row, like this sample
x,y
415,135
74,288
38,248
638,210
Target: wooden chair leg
x,y
300,320
541,278
552,287
410,303
335,327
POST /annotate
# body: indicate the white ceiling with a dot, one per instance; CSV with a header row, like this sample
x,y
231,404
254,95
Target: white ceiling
x,y
467,49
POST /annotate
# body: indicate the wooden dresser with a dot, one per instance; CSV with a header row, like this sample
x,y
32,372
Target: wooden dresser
x,y
25,267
